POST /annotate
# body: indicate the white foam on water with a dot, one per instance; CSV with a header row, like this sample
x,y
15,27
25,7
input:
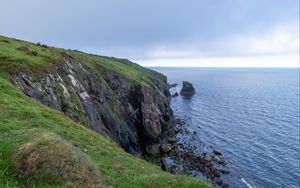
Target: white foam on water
x,y
246,183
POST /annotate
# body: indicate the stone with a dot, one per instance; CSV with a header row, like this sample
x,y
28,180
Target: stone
x,y
165,148
169,165
187,89
175,94
172,85
216,152
222,161
172,140
207,158
224,171
23,49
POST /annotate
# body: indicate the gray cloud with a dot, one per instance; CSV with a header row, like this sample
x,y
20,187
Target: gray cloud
x,y
145,29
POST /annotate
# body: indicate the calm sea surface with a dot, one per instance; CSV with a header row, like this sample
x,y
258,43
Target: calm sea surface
x,y
251,115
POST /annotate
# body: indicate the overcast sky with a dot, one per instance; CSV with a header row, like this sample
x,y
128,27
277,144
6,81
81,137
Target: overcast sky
x,y
163,32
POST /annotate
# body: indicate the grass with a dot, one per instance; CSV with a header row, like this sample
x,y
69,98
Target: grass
x,y
21,114
14,60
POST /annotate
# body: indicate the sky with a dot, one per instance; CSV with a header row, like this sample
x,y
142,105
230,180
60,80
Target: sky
x,y
205,33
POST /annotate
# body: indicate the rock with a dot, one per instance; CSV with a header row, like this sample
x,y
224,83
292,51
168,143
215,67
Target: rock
x,y
216,173
175,94
169,165
219,181
224,185
216,152
172,140
33,53
224,171
187,89
172,85
165,148
180,121
23,49
207,158
222,161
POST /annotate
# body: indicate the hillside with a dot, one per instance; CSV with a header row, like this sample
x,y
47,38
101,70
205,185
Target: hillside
x,y
29,128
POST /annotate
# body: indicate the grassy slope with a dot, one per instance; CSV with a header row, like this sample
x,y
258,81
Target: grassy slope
x,y
13,60
20,114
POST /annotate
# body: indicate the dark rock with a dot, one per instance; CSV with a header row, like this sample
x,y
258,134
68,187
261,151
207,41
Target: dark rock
x,y
219,181
222,161
216,173
180,121
224,185
172,140
23,49
224,171
175,94
216,152
165,148
169,165
33,53
187,89
172,85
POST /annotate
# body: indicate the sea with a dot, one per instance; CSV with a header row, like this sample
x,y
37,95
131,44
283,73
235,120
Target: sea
x,y
251,115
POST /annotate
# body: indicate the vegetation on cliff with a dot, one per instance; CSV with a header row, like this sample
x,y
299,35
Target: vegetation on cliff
x,y
27,126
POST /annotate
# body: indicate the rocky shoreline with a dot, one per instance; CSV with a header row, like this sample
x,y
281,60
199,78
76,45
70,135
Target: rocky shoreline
x,y
180,157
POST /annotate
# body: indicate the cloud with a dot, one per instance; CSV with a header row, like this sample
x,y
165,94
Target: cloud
x,y
282,39
277,47
278,40
234,61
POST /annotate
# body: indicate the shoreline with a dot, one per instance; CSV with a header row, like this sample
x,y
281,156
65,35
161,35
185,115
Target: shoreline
x,y
182,158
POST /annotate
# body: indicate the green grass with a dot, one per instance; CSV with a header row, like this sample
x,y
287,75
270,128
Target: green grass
x,y
19,113
14,60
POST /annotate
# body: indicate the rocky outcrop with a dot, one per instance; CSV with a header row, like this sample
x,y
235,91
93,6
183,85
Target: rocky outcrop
x,y
187,89
134,114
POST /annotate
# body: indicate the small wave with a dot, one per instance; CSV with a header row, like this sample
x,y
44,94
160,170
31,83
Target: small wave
x,y
246,183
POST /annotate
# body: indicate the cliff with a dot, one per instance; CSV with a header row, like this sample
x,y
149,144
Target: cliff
x,y
96,104
111,96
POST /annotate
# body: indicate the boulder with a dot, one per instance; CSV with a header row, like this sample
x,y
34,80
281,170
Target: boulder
x,y
165,148
23,49
207,158
222,161
172,85
169,165
175,94
172,140
187,89
216,152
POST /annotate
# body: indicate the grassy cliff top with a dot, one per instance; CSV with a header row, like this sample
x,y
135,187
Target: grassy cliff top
x,y
23,119
17,55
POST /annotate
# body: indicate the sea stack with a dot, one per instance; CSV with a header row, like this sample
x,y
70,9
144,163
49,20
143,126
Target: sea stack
x,y
187,89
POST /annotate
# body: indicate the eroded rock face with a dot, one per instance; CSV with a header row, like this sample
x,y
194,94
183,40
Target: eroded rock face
x,y
187,89
133,115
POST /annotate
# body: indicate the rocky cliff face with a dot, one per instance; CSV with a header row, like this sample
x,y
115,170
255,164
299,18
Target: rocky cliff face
x,y
133,114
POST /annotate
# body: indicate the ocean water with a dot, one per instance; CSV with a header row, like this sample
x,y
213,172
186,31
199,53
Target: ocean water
x,y
250,115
